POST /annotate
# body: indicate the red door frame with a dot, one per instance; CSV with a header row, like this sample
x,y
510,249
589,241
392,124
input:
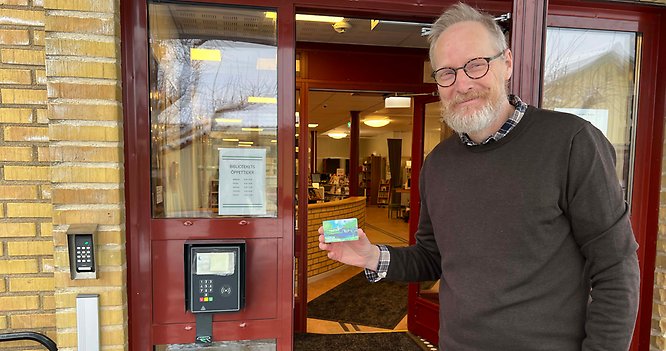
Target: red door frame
x,y
649,127
143,231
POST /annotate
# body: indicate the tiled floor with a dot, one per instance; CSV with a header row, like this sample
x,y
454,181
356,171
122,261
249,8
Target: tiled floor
x,y
380,230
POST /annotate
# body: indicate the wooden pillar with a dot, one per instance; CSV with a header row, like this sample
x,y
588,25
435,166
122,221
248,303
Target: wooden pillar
x,y
353,152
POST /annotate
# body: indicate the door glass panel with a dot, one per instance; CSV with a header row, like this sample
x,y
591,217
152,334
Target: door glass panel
x,y
592,73
213,111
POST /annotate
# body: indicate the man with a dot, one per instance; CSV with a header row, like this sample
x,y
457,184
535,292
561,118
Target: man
x,y
522,216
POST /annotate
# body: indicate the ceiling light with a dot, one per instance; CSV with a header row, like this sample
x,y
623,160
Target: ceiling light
x,y
318,18
246,142
197,54
252,129
313,125
262,100
336,135
376,123
397,102
230,139
228,120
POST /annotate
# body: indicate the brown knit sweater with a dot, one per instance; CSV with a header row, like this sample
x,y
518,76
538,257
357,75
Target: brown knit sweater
x,y
531,238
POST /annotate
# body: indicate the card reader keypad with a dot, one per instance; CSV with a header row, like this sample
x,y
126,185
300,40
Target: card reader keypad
x,y
206,286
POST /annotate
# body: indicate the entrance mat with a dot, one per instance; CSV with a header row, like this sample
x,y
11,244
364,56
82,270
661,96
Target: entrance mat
x,y
357,301
357,342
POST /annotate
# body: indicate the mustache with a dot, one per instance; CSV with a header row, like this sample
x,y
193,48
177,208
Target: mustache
x,y
474,94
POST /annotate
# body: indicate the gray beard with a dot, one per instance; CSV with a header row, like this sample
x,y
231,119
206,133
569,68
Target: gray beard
x,y
461,122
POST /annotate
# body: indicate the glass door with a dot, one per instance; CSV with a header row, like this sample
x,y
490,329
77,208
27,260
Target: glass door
x,y
423,304
593,74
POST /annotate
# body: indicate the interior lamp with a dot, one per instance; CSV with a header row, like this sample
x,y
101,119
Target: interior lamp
x,y
337,135
397,102
376,123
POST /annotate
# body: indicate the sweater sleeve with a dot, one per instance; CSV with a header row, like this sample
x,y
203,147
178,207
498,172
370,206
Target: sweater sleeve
x,y
419,262
600,224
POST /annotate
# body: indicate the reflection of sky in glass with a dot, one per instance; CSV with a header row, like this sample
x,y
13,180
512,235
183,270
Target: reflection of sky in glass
x,y
569,49
218,89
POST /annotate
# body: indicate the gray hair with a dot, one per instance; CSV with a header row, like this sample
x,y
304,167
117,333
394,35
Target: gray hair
x,y
461,13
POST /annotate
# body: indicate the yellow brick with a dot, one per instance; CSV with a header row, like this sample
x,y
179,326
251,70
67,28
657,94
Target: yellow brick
x,y
16,153
70,174
32,134
108,296
71,68
38,37
3,322
18,192
15,76
80,47
23,57
8,230
43,154
14,2
86,196
104,217
85,153
23,210
27,173
84,91
30,248
84,133
47,265
14,37
15,115
104,279
23,96
45,191
67,340
111,257
46,229
42,115
85,25
81,5
15,266
31,284
66,319
48,302
112,336
2,283
21,17
85,112
33,321
40,76
19,303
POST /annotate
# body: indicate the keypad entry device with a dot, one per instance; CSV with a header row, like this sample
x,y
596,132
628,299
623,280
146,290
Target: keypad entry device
x,y
81,246
85,255
215,276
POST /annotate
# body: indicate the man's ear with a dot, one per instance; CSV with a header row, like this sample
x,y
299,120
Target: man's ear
x,y
508,61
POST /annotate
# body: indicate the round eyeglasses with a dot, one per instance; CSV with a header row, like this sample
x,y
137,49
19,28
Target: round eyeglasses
x,y
475,68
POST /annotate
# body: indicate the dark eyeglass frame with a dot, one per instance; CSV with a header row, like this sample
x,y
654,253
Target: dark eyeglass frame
x,y
463,67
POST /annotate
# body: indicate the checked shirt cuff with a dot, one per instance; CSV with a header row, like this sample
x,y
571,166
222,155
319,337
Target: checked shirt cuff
x,y
382,267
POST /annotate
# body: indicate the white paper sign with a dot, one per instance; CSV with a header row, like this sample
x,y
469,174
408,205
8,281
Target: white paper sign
x,y
242,186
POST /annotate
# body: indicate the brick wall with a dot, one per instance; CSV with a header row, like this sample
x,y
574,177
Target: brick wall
x,y
83,76
60,164
318,262
26,245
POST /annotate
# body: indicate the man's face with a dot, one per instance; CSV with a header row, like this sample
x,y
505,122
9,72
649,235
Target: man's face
x,y
471,105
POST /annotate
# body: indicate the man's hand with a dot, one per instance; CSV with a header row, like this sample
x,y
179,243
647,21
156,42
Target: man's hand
x,y
359,253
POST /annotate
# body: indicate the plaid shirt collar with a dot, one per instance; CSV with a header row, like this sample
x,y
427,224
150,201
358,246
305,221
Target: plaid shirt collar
x,y
517,115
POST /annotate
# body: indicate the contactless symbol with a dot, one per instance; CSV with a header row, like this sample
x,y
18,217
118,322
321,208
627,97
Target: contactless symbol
x,y
226,290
